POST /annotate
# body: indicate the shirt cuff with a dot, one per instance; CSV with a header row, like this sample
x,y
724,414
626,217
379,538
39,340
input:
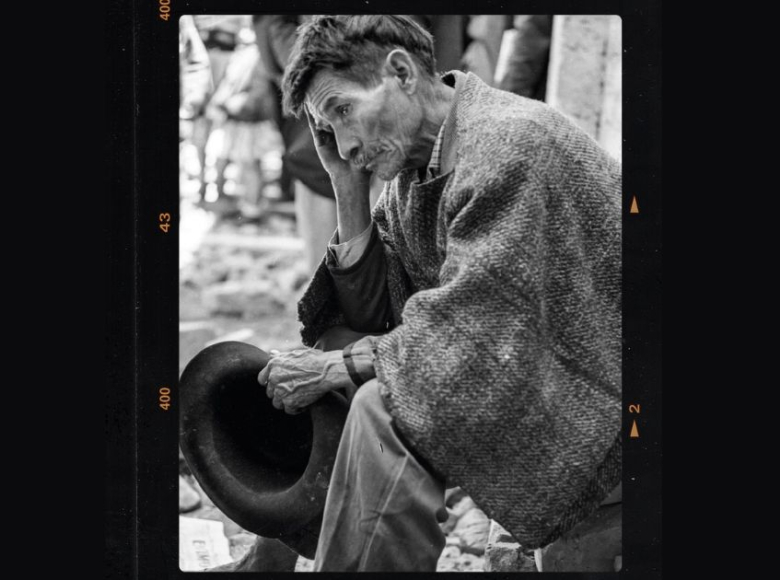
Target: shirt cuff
x,y
349,252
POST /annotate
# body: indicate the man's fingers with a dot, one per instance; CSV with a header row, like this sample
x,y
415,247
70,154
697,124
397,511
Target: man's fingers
x,y
262,378
321,138
277,403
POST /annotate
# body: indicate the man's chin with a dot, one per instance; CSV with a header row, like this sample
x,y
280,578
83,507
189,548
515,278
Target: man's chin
x,y
385,175
386,172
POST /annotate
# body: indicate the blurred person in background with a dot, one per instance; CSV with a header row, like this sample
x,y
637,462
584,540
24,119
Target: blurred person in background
x,y
449,37
194,86
481,56
510,52
220,36
315,202
194,76
525,52
304,178
242,101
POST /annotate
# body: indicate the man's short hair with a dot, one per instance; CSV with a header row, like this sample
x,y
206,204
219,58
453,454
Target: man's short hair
x,y
354,47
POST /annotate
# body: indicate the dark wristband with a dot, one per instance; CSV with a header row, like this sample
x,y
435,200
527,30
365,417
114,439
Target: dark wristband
x,y
350,364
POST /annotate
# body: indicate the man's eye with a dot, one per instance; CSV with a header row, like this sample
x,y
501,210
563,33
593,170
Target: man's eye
x,y
343,110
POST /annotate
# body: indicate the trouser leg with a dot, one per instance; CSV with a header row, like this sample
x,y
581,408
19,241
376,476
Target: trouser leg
x,y
382,505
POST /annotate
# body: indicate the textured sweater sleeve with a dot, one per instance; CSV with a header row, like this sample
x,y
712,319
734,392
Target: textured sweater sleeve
x,y
520,342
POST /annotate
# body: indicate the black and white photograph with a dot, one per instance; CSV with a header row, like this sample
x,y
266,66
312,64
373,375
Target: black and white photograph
x,y
400,293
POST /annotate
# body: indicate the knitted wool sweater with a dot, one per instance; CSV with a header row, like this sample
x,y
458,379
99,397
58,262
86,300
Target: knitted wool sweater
x,y
502,367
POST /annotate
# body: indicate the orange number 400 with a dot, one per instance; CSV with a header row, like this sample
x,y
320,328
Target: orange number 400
x,y
165,398
165,9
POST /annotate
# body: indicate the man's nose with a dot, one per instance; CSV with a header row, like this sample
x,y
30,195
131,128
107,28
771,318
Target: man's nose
x,y
347,145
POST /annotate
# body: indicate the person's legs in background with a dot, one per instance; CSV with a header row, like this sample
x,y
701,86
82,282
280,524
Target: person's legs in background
x,y
221,166
316,218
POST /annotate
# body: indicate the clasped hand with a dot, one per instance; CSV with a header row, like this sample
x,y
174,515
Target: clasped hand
x,y
296,379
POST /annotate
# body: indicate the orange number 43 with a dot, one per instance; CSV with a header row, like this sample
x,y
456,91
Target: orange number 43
x,y
165,222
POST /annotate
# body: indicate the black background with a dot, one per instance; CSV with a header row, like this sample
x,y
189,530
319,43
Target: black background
x,y
143,98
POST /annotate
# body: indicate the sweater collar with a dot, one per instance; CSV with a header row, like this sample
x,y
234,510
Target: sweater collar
x,y
448,134
449,148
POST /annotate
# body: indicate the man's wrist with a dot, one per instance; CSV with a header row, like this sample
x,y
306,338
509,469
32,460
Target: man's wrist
x,y
359,360
352,370
336,373
351,184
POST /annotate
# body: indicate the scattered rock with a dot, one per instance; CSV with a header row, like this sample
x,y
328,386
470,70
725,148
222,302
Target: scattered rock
x,y
192,338
470,563
188,498
240,335
209,272
210,512
463,505
240,544
249,230
190,304
184,469
449,525
196,486
232,528
448,559
453,495
304,565
291,279
264,555
240,266
504,554
472,529
248,299
453,560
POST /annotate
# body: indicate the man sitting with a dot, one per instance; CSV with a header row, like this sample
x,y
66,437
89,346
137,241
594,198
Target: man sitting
x,y
488,280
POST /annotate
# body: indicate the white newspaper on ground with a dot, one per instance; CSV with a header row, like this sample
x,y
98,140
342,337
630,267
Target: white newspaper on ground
x,y
202,544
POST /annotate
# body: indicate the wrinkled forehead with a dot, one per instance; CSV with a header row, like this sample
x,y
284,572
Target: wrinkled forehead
x,y
328,88
325,86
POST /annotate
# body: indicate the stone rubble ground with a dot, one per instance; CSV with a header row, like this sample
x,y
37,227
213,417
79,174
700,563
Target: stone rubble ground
x,y
466,529
232,290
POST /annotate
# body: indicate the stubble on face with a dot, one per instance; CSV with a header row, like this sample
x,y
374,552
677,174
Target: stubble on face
x,y
397,127
383,122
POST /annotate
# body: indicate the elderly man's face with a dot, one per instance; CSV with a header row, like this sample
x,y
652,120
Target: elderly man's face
x,y
375,128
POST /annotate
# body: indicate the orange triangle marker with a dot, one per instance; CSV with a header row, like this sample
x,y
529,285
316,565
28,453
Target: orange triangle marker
x,y
634,206
634,430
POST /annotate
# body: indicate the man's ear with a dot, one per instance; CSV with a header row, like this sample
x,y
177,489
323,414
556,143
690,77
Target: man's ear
x,y
401,65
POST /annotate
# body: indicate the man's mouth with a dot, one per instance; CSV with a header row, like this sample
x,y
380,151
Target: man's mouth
x,y
371,164
361,161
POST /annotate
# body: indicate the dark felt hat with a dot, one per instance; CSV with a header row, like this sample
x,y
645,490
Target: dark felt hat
x,y
266,470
